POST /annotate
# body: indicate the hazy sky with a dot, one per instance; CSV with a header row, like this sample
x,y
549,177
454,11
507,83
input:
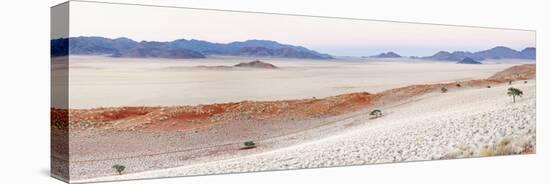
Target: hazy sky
x,y
333,36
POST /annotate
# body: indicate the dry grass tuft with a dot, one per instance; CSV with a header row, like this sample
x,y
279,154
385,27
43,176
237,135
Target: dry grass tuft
x,y
505,146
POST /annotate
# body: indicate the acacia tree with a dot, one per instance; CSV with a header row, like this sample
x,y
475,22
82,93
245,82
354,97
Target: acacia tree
x,y
514,92
376,113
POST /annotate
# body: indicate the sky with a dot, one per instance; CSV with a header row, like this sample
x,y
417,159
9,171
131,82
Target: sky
x,y
338,37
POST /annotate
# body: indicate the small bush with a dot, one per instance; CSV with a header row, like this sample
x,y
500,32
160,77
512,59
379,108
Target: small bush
x,y
525,82
249,145
376,113
119,168
444,90
458,85
488,86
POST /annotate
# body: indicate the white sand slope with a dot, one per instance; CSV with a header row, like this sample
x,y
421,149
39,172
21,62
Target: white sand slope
x,y
462,123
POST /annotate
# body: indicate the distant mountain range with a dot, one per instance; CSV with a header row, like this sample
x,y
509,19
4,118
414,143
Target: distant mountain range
x,y
182,48
124,47
494,53
499,52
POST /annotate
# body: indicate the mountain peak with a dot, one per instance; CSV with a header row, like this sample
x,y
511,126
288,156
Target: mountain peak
x,y
260,41
387,55
123,39
528,53
442,52
468,60
502,49
529,48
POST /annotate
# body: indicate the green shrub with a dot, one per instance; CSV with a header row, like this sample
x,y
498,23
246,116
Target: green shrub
x,y
376,113
249,145
119,168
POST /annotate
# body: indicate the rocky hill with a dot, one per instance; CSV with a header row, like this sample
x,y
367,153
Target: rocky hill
x,y
387,55
468,60
256,64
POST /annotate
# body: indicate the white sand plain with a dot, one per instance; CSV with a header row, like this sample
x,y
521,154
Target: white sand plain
x,y
461,123
97,81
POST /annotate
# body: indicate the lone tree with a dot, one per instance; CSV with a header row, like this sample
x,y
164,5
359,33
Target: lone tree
x,y
444,90
119,168
376,113
514,92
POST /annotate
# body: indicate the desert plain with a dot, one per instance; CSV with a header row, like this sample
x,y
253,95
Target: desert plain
x,y
181,117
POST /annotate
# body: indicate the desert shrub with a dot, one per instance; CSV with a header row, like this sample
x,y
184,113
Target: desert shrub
x,y
376,113
488,86
487,152
503,146
525,82
444,90
458,85
119,168
249,144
